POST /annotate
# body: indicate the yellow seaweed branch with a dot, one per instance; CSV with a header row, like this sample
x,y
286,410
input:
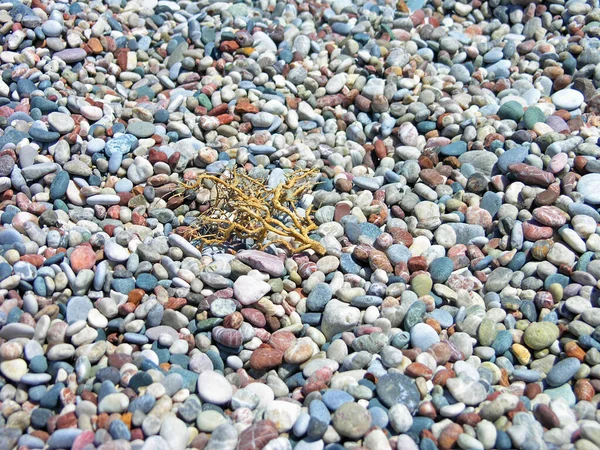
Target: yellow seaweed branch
x,y
242,207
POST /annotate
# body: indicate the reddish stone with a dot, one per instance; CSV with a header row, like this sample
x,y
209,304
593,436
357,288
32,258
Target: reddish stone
x,y
417,263
137,433
441,352
174,159
401,236
457,250
425,163
44,436
91,396
341,210
229,46
81,441
155,156
83,257
362,330
520,408
397,212
95,45
441,376
262,334
317,381
531,174
362,251
379,260
6,111
411,353
449,436
568,182
380,149
126,308
266,358
257,435
579,163
117,360
427,409
227,336
68,420
282,340
432,178
545,415
418,369
330,101
218,110
547,197
114,212
362,103
550,216
138,219
306,269
478,216
36,260
574,351
381,216
401,270
471,419
254,317
245,107
233,320
584,391
175,303
535,232
225,119
121,55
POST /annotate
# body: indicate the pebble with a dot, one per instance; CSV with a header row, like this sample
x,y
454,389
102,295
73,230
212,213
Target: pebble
x,y
446,297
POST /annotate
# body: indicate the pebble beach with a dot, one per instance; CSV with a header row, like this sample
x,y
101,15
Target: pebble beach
x,y
456,152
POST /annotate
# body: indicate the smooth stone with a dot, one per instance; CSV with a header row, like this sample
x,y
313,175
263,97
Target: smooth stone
x,y
214,388
562,372
568,99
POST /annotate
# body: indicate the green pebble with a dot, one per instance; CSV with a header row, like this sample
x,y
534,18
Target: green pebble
x,y
276,285
511,110
532,116
422,284
487,332
540,335
556,290
205,101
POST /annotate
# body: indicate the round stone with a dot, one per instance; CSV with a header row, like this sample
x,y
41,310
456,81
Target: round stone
x,y
511,110
214,388
589,187
423,336
568,99
352,420
14,369
541,335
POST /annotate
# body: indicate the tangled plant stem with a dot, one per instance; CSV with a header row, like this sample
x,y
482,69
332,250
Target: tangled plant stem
x,y
242,208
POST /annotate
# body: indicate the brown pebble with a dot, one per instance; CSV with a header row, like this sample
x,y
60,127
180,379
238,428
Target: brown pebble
x,y
584,390
449,436
545,415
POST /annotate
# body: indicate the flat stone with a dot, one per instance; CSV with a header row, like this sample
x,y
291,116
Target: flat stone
x,y
214,388
249,290
395,388
262,261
